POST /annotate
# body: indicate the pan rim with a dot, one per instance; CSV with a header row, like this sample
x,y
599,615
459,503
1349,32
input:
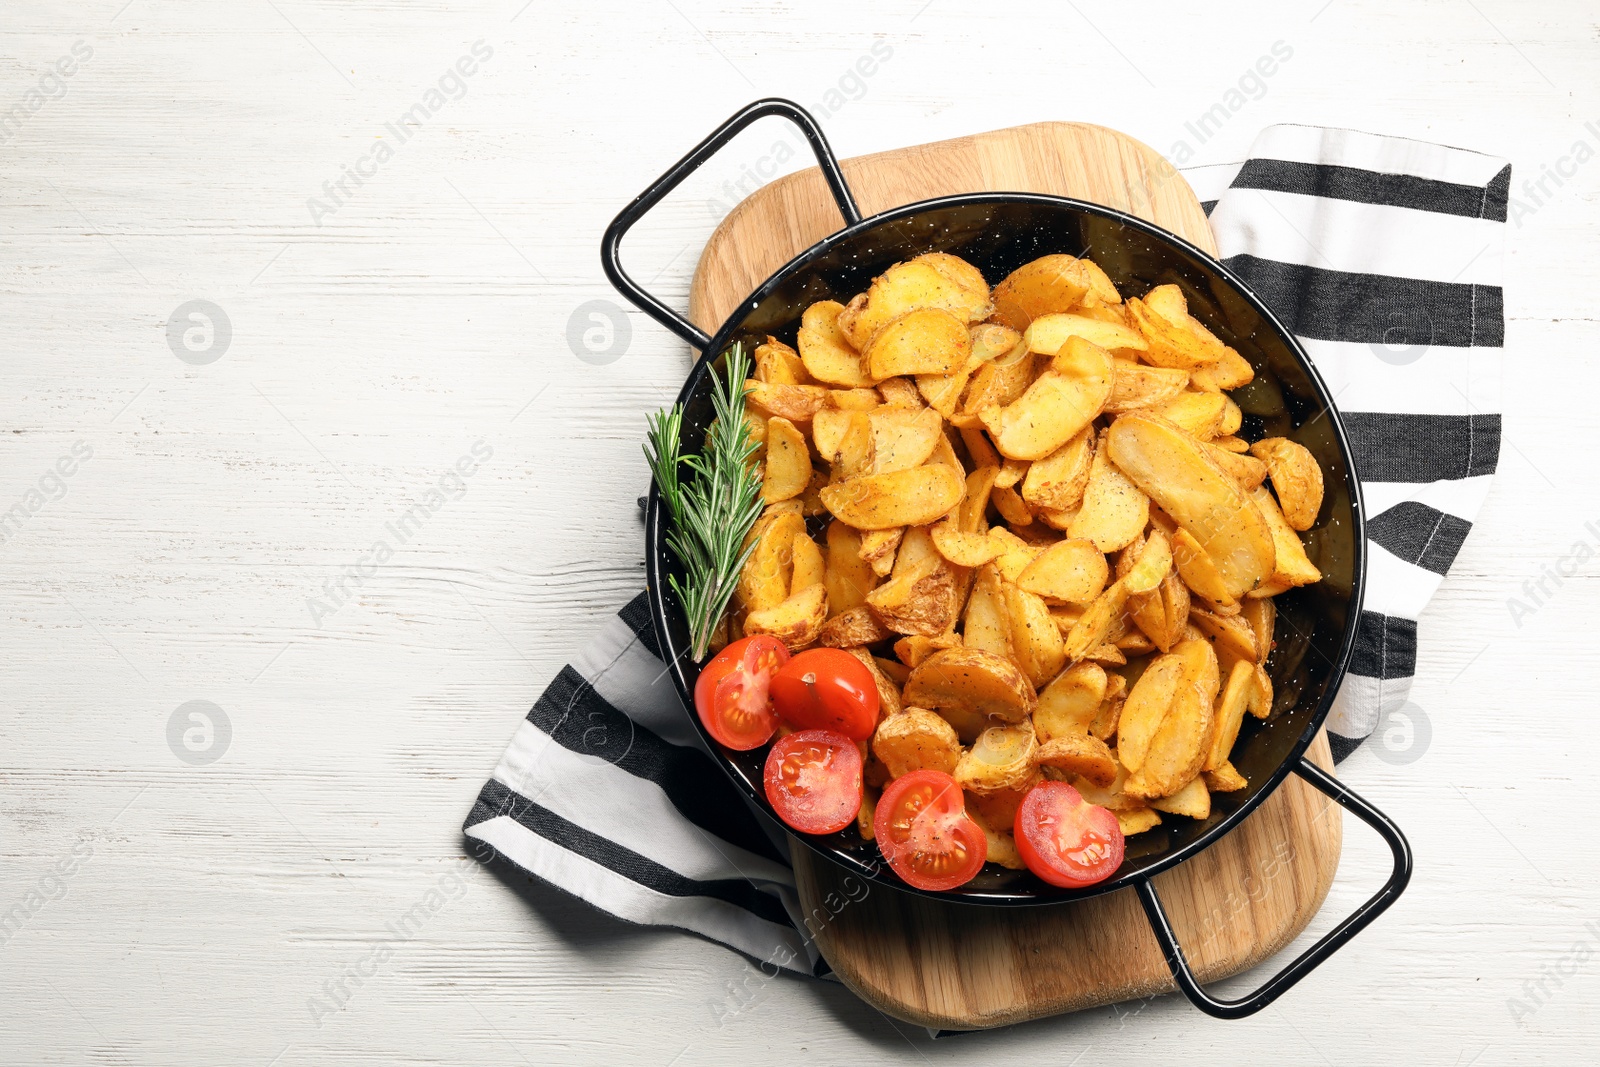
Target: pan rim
x,y
879,873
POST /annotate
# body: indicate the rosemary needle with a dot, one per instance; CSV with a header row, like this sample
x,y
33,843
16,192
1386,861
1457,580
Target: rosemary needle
x,y
711,511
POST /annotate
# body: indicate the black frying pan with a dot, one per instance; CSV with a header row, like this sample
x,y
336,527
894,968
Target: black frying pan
x,y
999,232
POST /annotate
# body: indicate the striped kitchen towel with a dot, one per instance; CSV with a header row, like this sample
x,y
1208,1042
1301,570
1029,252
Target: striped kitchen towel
x,y
1382,254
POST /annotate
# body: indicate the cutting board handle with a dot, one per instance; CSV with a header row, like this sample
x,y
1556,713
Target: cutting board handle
x,y
1331,942
610,247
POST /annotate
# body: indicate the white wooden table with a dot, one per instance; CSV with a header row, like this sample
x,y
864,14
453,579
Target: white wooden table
x,y
186,896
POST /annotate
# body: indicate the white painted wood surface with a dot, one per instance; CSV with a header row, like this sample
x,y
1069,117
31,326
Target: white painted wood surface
x,y
206,905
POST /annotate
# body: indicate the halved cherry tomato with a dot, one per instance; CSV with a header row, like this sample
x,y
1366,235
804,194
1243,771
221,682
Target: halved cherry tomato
x,y
732,694
1066,840
827,689
922,829
813,780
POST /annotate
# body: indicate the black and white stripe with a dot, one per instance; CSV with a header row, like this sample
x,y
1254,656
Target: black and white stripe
x,y
607,792
1383,255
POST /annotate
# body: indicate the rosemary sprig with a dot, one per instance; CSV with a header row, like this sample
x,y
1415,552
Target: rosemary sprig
x,y
711,511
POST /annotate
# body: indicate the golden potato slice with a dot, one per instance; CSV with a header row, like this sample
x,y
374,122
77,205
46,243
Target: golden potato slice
x,y
1112,797
906,287
807,567
797,403
974,680
991,341
1011,472
1193,800
1081,755
1230,713
825,353
844,440
1232,418
1200,572
1058,480
960,272
868,812
1145,708
902,498
1015,554
1261,697
1230,633
796,622
1073,570
1107,718
1261,616
1174,471
778,364
1137,821
943,391
964,549
853,627
1296,478
1035,642
919,601
986,624
1100,283
1002,842
1182,742
1108,654
1011,506
788,469
1149,565
1067,706
896,671
1047,285
1114,510
900,392
1225,779
1292,566
1048,334
914,648
1059,403
878,549
915,740
1001,758
1248,471
765,579
1095,624
849,578
1135,385
1162,614
1197,414
854,399
903,437
924,341
1000,381
1170,344
888,689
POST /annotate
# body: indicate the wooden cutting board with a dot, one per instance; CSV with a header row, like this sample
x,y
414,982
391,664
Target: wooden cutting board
x,y
961,967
